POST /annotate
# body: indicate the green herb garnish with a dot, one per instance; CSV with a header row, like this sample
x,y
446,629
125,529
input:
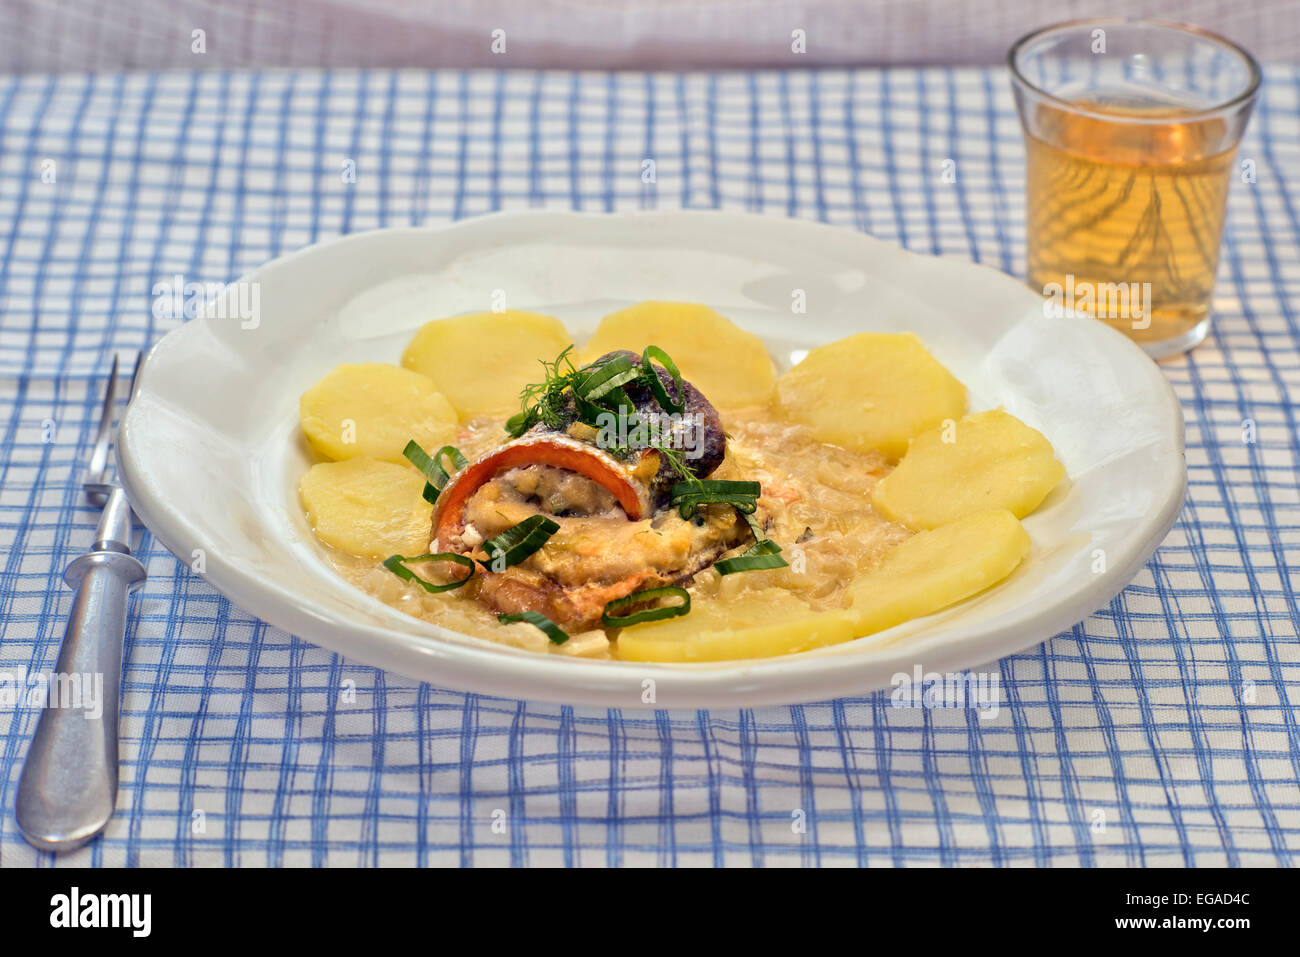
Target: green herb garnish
x,y
435,475
553,631
598,388
518,542
397,565
544,401
764,553
674,459
689,495
600,379
656,386
612,619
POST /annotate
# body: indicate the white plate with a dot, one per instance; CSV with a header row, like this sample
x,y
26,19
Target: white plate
x,y
210,452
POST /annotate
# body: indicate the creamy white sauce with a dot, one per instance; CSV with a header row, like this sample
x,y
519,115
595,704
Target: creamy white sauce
x,y
815,504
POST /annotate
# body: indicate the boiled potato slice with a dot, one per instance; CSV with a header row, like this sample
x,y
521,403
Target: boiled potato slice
x,y
372,410
368,508
935,569
729,365
481,361
986,460
771,624
871,391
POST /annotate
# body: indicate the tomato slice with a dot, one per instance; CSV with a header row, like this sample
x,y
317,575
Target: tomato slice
x,y
559,451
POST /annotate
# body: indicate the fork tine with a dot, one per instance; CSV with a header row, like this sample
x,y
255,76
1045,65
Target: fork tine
x,y
99,456
135,374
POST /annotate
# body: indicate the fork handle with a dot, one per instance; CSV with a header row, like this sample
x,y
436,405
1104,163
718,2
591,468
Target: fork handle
x,y
68,787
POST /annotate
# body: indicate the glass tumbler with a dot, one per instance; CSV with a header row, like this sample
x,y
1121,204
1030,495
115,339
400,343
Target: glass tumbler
x,y
1131,132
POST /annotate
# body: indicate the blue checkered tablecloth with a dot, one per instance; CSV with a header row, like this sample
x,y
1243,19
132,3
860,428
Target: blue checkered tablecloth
x,y
1163,730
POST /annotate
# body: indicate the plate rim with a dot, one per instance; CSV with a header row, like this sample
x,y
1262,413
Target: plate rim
x,y
463,661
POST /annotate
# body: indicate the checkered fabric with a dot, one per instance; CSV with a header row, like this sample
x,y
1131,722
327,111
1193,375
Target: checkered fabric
x,y
1162,730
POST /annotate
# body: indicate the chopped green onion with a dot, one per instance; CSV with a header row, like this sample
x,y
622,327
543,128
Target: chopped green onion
x,y
598,388
687,506
553,631
688,496
764,553
518,542
754,527
589,413
720,487
521,422
431,465
613,620
615,400
666,402
600,379
397,565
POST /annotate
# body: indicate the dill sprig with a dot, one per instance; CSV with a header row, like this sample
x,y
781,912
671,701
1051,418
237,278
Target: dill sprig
x,y
544,401
674,459
549,400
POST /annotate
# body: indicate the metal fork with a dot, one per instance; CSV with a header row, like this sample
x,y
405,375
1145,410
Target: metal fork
x,y
68,787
